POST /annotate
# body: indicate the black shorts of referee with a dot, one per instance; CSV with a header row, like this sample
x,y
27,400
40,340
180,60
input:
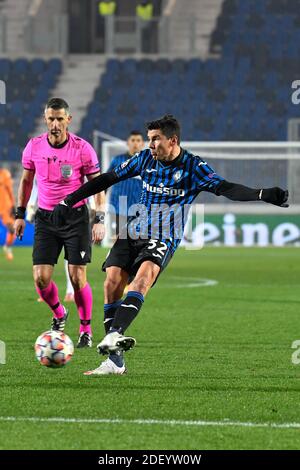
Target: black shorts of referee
x,y
74,237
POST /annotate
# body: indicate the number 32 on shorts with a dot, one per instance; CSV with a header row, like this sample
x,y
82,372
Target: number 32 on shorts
x,y
159,248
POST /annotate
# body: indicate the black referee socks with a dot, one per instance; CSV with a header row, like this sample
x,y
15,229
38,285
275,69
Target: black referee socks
x,y
127,311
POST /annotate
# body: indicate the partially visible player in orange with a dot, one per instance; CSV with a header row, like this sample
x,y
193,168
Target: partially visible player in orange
x,y
7,204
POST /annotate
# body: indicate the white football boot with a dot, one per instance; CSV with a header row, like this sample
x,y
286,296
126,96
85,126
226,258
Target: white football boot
x,y
107,367
114,341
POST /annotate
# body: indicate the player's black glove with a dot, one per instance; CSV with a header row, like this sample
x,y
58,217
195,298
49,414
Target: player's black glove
x,y
60,213
276,196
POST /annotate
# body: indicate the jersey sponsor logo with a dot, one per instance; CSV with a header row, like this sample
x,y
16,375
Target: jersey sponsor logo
x,y
66,171
150,171
163,190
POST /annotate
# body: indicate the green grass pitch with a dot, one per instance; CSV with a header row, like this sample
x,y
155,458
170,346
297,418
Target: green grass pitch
x,y
214,359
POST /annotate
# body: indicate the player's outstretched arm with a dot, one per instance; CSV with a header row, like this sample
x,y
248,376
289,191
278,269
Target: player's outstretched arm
x,y
96,185
238,192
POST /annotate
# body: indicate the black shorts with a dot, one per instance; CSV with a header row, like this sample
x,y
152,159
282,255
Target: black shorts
x,y
75,237
129,254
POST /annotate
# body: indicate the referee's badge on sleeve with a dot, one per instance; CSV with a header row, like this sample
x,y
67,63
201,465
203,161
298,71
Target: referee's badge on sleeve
x,y
66,171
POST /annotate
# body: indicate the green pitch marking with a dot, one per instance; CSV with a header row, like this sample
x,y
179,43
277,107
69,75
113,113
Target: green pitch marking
x,y
218,355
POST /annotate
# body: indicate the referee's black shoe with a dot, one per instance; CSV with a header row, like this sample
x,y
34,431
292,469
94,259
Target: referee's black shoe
x,y
58,324
84,341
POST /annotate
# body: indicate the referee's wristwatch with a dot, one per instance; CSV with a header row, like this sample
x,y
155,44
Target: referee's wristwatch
x,y
99,218
20,212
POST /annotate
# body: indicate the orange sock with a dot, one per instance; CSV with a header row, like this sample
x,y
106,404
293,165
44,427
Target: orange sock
x,y
10,238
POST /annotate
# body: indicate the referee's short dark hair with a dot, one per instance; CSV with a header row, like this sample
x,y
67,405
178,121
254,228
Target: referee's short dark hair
x,y
167,124
58,103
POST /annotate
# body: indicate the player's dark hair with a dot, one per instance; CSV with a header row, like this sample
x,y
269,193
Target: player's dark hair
x,y
167,124
135,132
58,103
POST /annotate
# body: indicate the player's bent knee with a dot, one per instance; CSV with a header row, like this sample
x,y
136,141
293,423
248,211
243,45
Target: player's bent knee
x,y
77,283
41,281
113,286
142,284
41,277
77,276
145,277
78,280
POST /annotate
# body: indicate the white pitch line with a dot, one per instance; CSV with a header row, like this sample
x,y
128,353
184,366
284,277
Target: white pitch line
x,y
224,423
187,282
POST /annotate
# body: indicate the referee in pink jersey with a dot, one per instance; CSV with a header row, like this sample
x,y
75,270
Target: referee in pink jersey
x,y
60,161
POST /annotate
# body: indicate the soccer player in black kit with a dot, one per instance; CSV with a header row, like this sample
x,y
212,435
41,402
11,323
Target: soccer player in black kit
x,y
172,178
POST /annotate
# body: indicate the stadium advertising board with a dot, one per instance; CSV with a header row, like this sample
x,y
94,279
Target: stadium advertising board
x,y
228,230
248,230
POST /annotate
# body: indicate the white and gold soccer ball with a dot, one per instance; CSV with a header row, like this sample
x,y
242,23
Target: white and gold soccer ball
x,y
53,349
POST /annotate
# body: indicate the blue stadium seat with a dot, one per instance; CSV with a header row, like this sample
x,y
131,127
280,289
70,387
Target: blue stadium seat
x,y
28,84
54,66
4,137
241,95
38,66
16,108
5,67
20,66
14,153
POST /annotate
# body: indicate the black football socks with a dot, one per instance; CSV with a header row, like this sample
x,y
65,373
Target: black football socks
x,y
119,315
109,313
127,311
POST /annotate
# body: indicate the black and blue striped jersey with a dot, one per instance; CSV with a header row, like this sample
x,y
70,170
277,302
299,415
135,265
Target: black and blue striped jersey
x,y
130,187
168,189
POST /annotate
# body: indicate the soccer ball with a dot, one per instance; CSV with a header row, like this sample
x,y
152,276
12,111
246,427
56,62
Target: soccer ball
x,y
53,349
